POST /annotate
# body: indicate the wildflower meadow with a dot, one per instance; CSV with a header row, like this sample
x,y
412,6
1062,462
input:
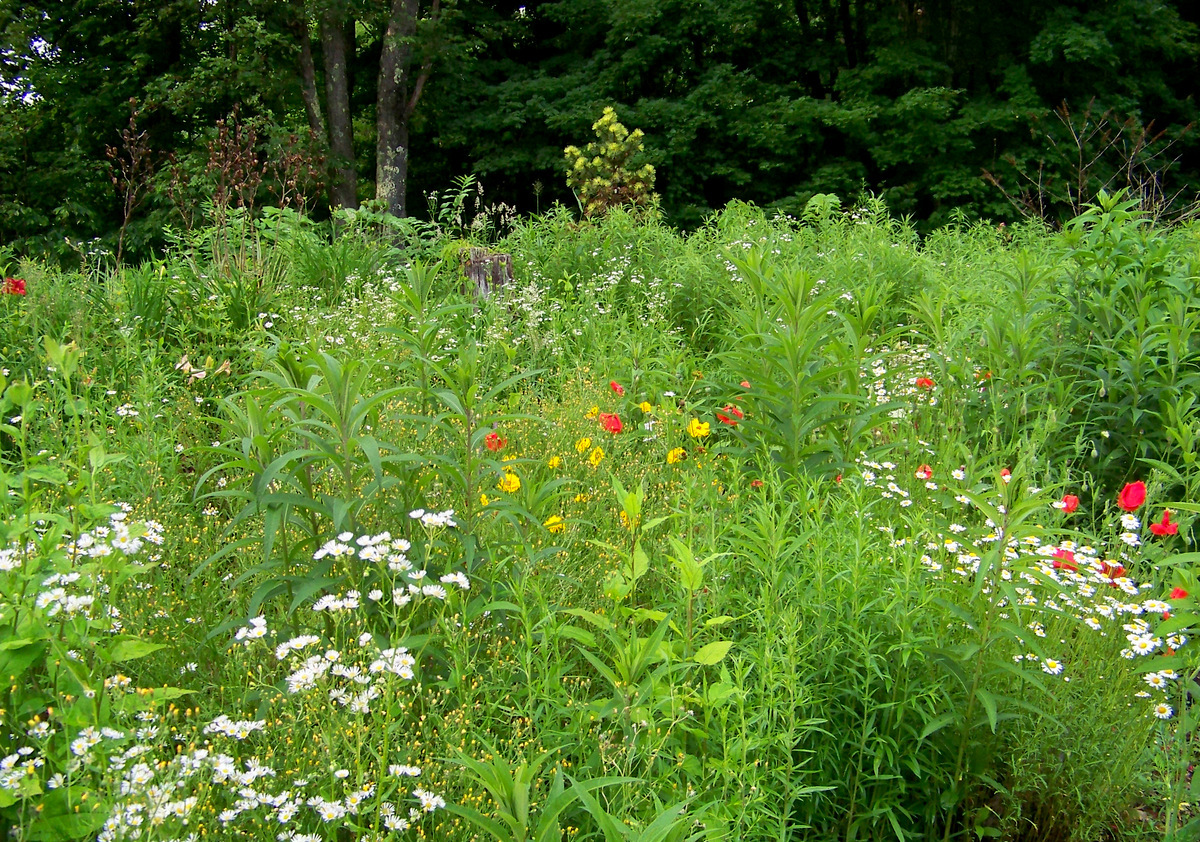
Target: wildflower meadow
x,y
782,529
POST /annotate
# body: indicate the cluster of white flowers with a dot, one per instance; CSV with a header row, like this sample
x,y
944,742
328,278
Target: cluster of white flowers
x,y
434,519
1095,590
256,630
158,796
237,729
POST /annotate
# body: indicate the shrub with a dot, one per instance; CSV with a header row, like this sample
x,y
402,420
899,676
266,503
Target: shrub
x,y
602,175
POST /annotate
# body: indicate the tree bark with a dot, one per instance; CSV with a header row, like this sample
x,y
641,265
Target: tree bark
x,y
308,74
398,94
343,190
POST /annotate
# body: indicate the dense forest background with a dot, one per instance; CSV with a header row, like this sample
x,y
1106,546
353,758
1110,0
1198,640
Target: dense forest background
x,y
941,107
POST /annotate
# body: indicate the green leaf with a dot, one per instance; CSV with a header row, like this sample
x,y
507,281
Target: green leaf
x,y
16,656
597,620
712,653
718,693
66,827
127,648
989,704
47,474
578,635
641,563
937,724
148,699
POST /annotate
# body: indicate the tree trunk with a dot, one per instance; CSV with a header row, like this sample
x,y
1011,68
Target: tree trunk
x,y
308,75
397,99
343,190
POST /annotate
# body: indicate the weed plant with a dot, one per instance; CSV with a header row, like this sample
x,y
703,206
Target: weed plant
x,y
783,529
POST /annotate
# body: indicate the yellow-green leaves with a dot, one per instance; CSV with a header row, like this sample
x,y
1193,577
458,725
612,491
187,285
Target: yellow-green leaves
x,y
602,174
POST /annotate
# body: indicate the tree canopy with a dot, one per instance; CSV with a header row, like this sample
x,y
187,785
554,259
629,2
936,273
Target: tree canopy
x,y
942,107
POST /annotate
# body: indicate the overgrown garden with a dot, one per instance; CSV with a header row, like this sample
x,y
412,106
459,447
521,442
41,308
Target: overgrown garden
x,y
787,528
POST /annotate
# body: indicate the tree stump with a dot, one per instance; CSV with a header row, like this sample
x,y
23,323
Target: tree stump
x,y
487,271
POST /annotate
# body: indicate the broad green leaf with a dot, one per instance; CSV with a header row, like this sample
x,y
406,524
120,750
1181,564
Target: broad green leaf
x,y
712,653
126,648
641,563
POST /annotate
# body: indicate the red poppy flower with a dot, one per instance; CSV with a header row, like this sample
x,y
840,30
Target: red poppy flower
x,y
1005,474
494,442
1112,571
1070,503
1132,496
1065,560
730,419
1177,593
14,286
617,387
1164,526
924,383
924,472
611,422
756,483
745,384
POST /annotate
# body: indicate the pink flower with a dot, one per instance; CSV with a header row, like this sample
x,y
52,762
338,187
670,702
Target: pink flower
x,y
1132,496
1164,526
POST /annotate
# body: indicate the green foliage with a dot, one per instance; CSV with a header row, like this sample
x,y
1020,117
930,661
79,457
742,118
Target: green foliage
x,y
66,562
603,175
1135,352
547,562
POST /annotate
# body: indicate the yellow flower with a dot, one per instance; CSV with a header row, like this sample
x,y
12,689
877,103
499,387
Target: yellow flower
x,y
555,524
675,456
697,429
583,444
510,483
583,498
593,412
483,498
645,406
596,456
554,462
